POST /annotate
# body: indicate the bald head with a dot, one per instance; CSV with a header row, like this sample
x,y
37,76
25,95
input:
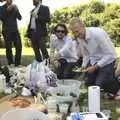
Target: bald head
x,y
77,27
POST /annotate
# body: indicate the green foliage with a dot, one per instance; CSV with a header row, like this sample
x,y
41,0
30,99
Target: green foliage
x,y
61,16
91,20
113,28
95,14
96,7
112,11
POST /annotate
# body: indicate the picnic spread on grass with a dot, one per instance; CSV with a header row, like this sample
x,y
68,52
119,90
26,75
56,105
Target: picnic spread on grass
x,y
35,88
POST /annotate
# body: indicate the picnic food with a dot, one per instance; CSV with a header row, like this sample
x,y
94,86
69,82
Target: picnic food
x,y
19,102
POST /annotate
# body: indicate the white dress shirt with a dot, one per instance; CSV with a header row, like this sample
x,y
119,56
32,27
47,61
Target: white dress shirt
x,y
64,47
33,24
97,48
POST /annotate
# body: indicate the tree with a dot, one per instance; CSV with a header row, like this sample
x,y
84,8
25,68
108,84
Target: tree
x,y
96,7
113,28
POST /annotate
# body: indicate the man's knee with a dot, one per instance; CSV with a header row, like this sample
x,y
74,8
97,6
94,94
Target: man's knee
x,y
89,79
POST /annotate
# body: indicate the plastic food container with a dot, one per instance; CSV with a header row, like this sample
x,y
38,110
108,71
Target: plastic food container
x,y
65,88
69,82
60,99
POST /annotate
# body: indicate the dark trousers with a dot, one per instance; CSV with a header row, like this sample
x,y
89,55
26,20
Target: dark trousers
x,y
10,39
65,69
100,76
39,47
111,86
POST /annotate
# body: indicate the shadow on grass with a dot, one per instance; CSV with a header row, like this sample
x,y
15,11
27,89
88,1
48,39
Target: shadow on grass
x,y
26,59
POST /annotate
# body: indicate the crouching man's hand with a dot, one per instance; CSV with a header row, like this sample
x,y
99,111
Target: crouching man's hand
x,y
91,69
57,56
57,63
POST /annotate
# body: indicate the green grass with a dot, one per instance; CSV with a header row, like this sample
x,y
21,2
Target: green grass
x,y
2,94
29,51
25,51
26,59
28,55
118,51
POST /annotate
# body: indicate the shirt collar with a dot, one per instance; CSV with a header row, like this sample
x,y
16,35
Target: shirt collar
x,y
87,34
37,6
65,39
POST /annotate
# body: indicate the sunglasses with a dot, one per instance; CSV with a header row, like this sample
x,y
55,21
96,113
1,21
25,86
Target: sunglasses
x,y
60,31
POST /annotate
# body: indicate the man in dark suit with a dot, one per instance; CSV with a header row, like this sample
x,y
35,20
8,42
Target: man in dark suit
x,y
10,14
37,30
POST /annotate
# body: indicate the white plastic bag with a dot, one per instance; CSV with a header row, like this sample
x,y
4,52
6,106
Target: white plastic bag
x,y
35,73
39,75
46,77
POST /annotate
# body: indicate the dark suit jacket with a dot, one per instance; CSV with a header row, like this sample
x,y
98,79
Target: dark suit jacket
x,y
43,18
9,19
0,12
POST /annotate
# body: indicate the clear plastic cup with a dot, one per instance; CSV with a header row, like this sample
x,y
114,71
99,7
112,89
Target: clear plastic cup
x,y
63,108
51,105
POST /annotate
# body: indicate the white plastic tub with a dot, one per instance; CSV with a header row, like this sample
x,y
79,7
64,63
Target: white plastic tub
x,y
59,99
69,82
66,87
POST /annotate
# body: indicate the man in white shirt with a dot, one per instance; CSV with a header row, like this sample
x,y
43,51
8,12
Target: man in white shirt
x,y
62,53
98,52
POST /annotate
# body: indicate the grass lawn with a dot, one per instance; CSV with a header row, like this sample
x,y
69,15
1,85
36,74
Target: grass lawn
x,y
118,51
29,51
28,55
25,51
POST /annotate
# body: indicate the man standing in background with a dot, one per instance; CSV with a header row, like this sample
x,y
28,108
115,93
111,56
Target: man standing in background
x,y
9,16
37,30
